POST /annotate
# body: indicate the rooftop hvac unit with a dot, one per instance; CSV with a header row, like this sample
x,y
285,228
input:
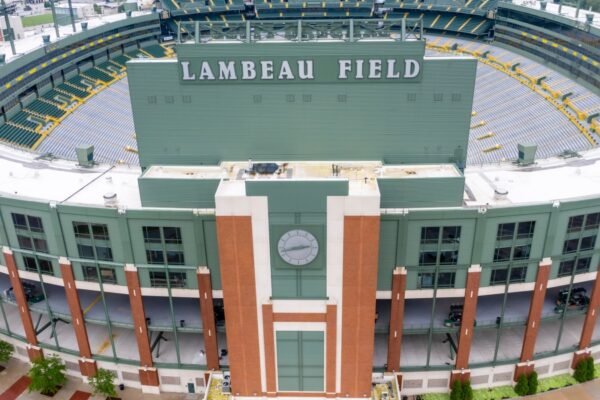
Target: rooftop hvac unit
x,y
85,155
84,26
543,5
589,18
46,39
526,154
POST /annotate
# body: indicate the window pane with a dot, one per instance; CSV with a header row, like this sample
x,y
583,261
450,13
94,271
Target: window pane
x,y
451,234
448,257
151,234
100,231
505,231
104,253
428,258
81,230
587,243
172,235
425,280
446,279
525,229
575,223
566,268
570,246
108,275
430,234
30,264
46,267
583,265
178,279
499,276
90,273
521,252
19,221
35,224
85,251
592,221
155,257
40,245
502,254
517,274
158,279
175,257
25,242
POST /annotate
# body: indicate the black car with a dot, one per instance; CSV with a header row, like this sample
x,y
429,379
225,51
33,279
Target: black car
x,y
33,293
578,299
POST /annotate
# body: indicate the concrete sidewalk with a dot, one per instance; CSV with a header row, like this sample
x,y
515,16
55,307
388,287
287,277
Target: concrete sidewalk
x,y
15,369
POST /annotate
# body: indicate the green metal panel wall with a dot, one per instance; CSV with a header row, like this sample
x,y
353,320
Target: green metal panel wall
x,y
421,192
300,361
303,121
191,193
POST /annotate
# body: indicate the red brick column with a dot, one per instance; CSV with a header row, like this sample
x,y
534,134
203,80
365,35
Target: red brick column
x,y
236,256
396,319
330,365
148,374
588,324
533,320
87,366
466,326
269,334
33,350
208,319
361,251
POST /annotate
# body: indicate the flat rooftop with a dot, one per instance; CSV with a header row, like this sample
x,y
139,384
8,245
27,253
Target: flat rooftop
x,y
63,182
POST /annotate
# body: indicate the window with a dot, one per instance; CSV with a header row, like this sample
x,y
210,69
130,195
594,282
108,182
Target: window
x,y
172,235
448,257
566,268
85,251
20,221
583,265
580,265
451,234
81,229
25,242
35,224
505,231
525,230
521,252
592,221
517,274
45,265
92,241
28,222
575,223
502,254
100,231
587,243
108,275
430,235
428,258
426,280
151,234
176,279
175,257
104,253
155,257
570,246
163,244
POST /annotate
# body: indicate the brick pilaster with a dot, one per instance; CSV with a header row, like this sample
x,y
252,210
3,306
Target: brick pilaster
x,y
330,364
468,318
396,319
360,260
33,350
591,316
533,319
208,319
87,365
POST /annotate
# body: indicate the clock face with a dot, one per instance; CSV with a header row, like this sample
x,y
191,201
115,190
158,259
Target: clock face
x,y
298,247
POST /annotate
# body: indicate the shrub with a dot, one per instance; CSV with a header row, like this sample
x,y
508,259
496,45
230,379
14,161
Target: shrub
x,y
590,369
467,391
6,351
522,386
532,383
47,375
103,383
457,390
581,372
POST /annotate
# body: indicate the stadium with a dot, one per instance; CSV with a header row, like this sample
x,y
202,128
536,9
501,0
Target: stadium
x,y
304,199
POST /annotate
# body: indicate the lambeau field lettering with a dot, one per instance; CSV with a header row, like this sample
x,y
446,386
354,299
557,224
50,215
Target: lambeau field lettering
x,y
299,70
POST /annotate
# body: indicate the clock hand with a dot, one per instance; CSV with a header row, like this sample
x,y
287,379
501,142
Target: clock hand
x,y
301,247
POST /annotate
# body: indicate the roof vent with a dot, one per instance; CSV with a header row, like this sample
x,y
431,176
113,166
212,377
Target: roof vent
x,y
589,18
110,199
46,39
84,26
543,5
500,193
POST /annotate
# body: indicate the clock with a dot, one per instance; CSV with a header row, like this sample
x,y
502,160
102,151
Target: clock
x,y
298,247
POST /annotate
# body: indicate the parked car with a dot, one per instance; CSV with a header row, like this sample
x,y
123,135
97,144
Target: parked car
x,y
455,316
33,293
578,299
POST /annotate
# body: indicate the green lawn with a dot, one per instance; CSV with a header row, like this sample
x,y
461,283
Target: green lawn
x,y
36,20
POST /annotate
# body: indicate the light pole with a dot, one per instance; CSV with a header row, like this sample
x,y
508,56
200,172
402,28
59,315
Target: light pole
x,y
8,28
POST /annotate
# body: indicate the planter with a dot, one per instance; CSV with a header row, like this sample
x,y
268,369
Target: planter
x,y
51,394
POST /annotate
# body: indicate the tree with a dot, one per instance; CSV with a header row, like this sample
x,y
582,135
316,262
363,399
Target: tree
x,y
103,383
6,351
580,374
457,390
532,383
47,375
522,386
467,391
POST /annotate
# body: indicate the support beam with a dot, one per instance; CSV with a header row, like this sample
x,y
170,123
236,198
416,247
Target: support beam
x,y
360,260
207,312
236,256
87,366
591,316
33,350
538,296
148,374
396,319
467,324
